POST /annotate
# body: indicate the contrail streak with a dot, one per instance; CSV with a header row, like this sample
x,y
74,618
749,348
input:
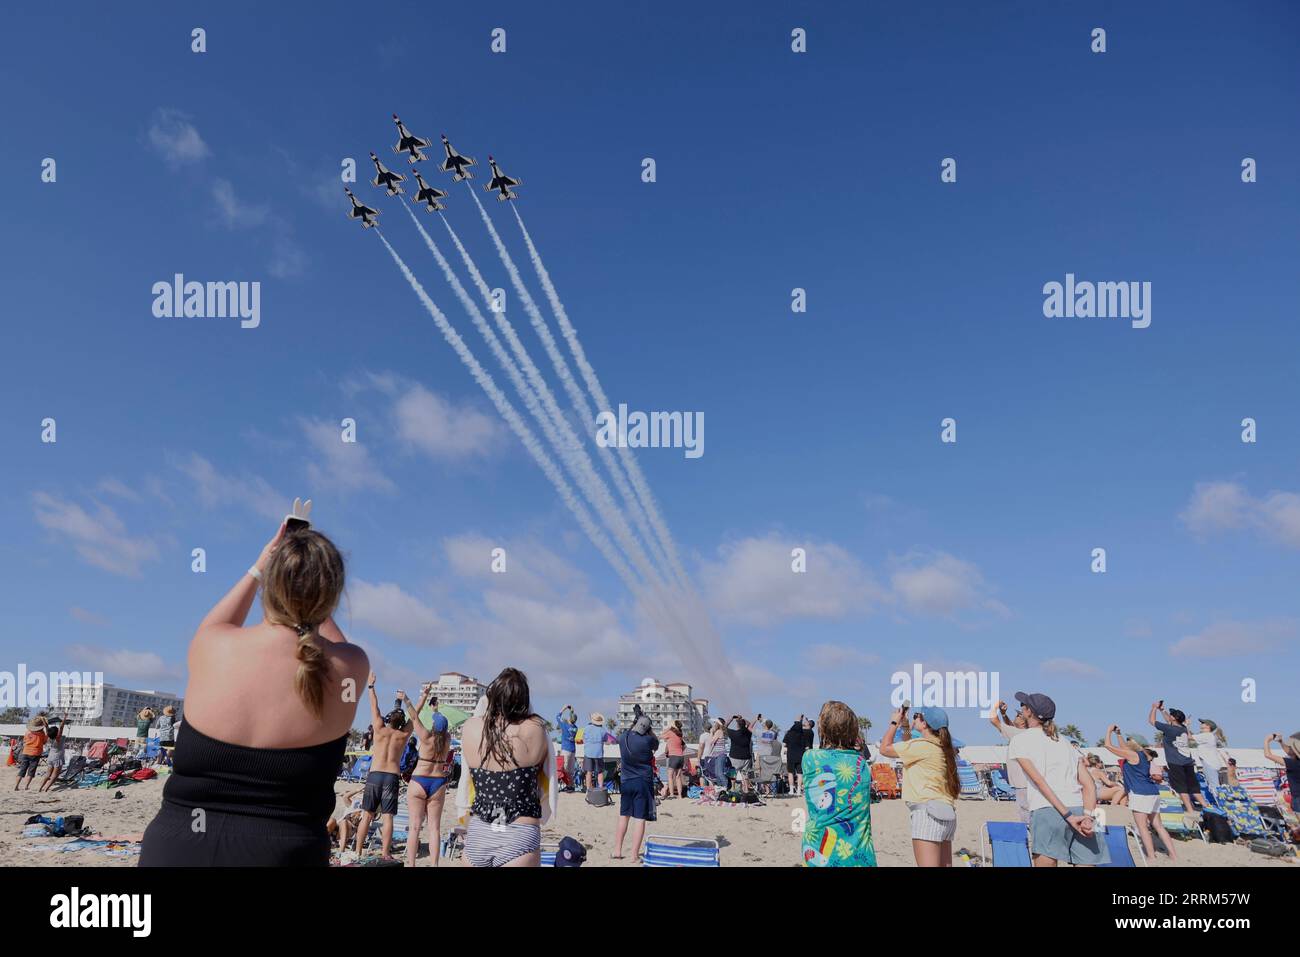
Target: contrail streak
x,y
571,451
593,385
576,395
517,425
696,641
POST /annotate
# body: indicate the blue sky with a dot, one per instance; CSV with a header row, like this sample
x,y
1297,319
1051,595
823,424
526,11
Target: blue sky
x,y
775,170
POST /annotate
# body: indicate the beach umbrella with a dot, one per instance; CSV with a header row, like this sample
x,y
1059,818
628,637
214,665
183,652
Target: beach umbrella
x,y
455,717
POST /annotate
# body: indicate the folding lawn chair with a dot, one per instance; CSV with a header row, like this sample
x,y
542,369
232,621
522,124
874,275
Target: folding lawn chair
x,y
360,768
999,787
665,850
549,850
1172,815
1117,843
971,785
1242,813
884,780
1007,843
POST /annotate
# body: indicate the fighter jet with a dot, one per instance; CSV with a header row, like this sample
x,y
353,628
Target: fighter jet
x,y
501,183
386,179
455,163
361,211
409,143
428,195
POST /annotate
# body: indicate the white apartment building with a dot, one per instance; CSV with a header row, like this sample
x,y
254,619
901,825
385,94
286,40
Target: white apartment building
x,y
108,706
663,704
459,691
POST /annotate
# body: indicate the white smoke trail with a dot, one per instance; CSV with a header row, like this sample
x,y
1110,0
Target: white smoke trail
x,y
696,642
576,395
593,385
517,425
567,445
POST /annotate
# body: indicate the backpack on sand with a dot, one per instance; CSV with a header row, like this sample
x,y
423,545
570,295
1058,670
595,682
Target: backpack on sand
x,y
598,797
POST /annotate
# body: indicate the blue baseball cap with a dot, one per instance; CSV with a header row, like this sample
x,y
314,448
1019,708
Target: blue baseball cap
x,y
439,722
936,718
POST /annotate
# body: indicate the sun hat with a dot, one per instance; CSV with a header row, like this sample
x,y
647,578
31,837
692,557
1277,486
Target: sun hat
x,y
596,718
936,718
38,723
1043,707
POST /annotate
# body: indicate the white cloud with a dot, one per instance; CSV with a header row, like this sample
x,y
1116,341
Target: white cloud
x,y
385,607
288,259
940,584
100,539
87,617
112,486
346,466
1071,666
831,658
215,489
558,644
1226,639
531,569
234,212
123,663
753,583
1229,506
441,429
173,136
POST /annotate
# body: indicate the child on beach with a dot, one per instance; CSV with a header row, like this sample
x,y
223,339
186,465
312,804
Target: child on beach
x,y
837,794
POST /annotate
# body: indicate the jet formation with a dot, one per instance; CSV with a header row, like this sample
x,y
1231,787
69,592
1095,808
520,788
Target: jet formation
x,y
427,196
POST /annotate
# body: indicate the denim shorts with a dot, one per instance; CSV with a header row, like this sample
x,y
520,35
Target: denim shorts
x,y
1054,838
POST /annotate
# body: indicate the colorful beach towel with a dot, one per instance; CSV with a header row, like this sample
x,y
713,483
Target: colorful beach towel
x,y
837,794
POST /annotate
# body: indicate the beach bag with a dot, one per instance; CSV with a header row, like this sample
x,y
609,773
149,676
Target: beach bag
x,y
598,797
144,774
1270,846
1216,827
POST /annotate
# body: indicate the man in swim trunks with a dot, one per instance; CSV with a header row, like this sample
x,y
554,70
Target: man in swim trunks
x,y
384,780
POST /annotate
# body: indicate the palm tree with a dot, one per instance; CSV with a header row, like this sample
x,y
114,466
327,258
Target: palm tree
x,y
1072,732
864,724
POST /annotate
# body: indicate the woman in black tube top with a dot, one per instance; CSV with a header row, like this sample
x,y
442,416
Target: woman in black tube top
x,y
267,712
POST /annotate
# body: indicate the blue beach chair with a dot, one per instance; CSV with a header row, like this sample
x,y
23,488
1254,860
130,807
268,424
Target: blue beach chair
x,y
999,787
1117,843
1008,844
971,785
665,850
360,768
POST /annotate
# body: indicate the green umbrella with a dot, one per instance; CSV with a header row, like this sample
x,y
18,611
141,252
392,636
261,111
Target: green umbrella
x,y
455,717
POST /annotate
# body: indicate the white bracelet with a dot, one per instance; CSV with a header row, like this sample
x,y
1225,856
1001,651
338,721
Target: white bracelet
x,y
256,573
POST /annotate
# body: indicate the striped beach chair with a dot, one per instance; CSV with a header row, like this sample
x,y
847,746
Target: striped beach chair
x,y
1173,814
1258,784
972,788
1005,844
666,850
549,850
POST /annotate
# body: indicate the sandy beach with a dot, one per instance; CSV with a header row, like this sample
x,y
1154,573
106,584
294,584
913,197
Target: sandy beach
x,y
750,836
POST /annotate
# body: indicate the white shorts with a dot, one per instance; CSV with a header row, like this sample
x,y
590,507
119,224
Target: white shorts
x,y
1144,803
927,828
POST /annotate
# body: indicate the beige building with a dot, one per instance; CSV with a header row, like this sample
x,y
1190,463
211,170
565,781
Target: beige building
x,y
458,690
109,706
665,703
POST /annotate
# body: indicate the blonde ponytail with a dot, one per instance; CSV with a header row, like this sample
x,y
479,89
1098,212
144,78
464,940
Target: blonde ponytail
x,y
309,680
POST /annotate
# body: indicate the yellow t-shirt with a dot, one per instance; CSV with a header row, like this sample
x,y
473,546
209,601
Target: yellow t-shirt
x,y
924,771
